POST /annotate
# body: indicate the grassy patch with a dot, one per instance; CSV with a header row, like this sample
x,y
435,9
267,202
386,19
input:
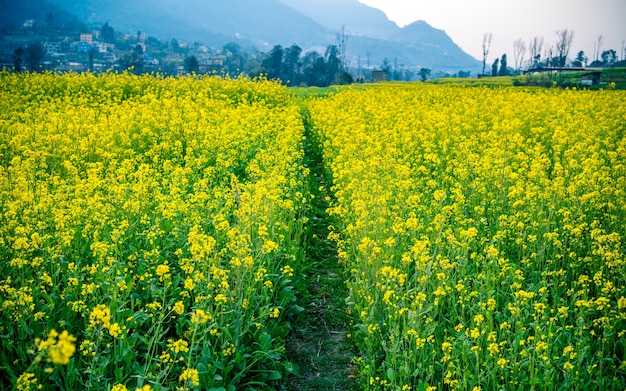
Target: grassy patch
x,y
318,342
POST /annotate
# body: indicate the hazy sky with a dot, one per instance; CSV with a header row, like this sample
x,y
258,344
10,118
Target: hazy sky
x,y
467,21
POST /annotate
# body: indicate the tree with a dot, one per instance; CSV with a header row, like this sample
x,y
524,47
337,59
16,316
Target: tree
x,y
35,53
494,67
91,54
597,47
551,59
609,57
581,60
273,63
385,66
486,45
232,48
107,33
235,60
563,45
519,50
503,66
138,50
333,63
342,42
424,73
191,64
536,45
314,67
132,61
175,45
292,64
343,78
18,58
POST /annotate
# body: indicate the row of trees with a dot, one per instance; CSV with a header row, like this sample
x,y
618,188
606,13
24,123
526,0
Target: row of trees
x,y
286,64
29,57
552,55
141,54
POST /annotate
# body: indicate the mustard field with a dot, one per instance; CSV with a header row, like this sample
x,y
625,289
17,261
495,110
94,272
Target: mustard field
x,y
153,233
484,233
150,231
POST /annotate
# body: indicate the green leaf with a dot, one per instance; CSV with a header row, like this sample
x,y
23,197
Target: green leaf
x,y
296,309
292,368
48,299
119,375
204,375
272,375
265,342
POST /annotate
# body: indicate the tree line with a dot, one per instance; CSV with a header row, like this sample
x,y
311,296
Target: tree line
x,y
289,65
555,54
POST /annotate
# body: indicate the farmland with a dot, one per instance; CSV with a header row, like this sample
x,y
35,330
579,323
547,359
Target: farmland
x,y
483,233
155,232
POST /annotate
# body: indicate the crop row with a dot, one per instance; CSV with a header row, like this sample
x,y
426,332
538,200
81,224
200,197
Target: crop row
x,y
484,232
150,231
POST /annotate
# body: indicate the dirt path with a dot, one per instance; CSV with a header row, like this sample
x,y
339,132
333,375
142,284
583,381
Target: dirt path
x,y
318,341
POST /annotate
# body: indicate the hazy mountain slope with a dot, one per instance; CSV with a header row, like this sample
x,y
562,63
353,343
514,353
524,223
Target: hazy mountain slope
x,y
358,18
259,20
15,12
375,37
262,24
265,22
434,46
130,16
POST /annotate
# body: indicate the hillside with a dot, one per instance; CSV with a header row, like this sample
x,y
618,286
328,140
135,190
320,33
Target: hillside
x,y
434,46
14,13
261,24
358,18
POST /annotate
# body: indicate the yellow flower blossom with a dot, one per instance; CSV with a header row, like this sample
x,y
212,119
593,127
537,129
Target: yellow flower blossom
x,y
59,347
191,375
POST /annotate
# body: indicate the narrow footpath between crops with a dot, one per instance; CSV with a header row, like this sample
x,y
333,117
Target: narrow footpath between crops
x,y
318,341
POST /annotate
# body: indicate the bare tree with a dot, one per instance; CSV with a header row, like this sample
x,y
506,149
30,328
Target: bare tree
x,y
342,42
550,57
519,51
597,46
536,45
563,46
486,45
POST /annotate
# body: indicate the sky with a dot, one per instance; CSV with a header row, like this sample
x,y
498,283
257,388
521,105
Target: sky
x,y
466,22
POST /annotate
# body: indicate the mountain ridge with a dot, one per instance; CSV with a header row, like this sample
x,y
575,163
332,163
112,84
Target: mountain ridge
x,y
356,17
261,24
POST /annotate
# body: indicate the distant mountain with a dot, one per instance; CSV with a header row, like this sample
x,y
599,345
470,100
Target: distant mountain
x,y
14,13
374,38
434,47
261,24
356,17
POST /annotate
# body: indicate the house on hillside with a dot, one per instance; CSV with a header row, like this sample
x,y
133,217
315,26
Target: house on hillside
x,y
86,38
